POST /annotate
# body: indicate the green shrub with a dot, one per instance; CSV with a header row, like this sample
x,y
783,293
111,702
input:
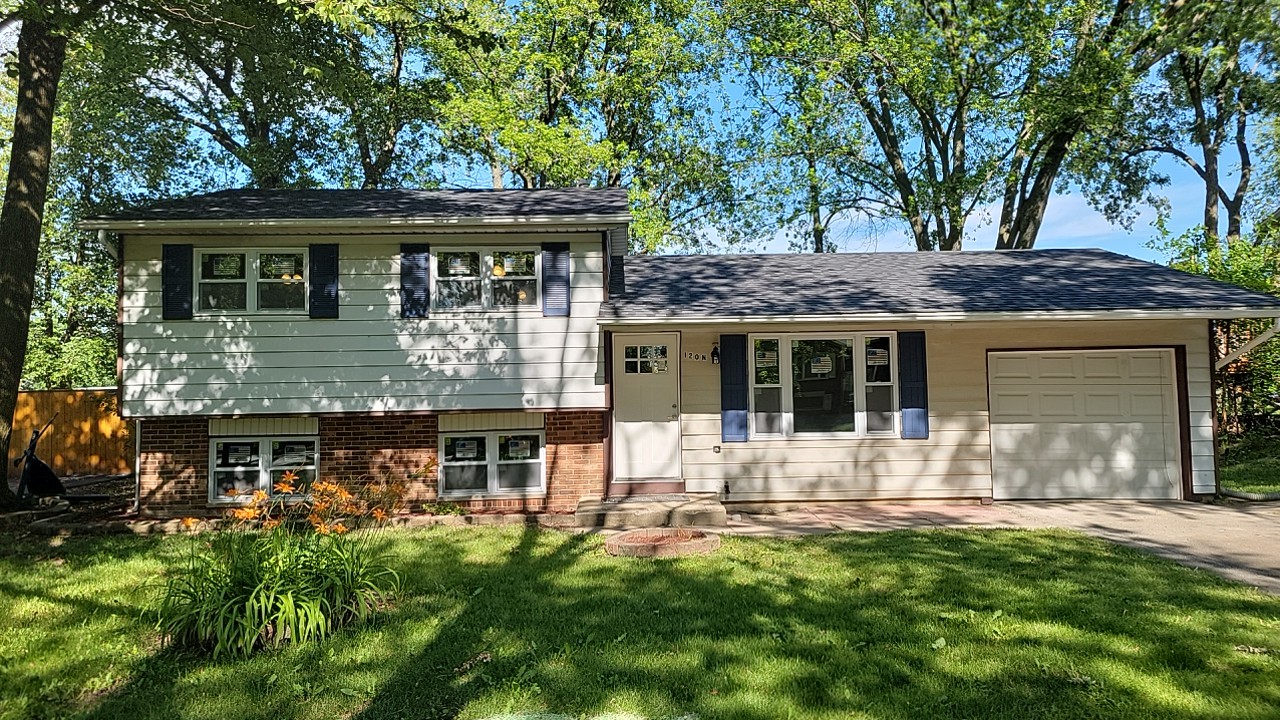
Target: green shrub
x,y
285,570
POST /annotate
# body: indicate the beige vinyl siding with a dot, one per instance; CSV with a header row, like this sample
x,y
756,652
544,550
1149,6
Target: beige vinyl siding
x,y
368,359
955,461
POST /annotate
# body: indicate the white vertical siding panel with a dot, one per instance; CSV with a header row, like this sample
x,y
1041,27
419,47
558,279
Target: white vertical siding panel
x,y
264,426
466,422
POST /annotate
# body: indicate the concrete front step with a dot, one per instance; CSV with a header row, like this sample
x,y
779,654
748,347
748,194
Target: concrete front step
x,y
639,511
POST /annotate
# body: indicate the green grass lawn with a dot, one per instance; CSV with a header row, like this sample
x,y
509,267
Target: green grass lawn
x,y
1251,463
963,624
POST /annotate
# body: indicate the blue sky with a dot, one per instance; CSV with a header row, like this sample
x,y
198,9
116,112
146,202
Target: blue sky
x,y
1069,223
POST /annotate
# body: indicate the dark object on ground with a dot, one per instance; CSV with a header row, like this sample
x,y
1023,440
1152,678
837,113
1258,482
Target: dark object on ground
x,y
39,479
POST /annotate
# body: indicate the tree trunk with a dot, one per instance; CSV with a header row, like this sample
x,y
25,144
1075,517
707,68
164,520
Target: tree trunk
x,y
814,203
41,53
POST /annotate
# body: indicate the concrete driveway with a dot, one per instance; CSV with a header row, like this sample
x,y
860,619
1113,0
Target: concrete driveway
x,y
1239,542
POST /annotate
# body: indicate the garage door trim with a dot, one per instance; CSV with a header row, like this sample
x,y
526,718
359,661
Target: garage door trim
x,y
1180,392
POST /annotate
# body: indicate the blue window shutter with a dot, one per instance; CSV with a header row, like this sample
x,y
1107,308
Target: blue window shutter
x,y
324,281
733,388
913,385
555,279
175,281
415,280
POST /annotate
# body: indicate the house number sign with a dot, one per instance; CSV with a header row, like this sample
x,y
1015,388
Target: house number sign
x,y
696,357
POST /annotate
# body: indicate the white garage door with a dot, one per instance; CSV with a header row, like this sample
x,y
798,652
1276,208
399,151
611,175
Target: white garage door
x,y
1084,424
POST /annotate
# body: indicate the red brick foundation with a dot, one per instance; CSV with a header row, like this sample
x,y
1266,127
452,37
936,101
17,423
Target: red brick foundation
x,y
173,472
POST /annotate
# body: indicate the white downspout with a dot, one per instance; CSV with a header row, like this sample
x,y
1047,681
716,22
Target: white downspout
x,y
137,466
1245,348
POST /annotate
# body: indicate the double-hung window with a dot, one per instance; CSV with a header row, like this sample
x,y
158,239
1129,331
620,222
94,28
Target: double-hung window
x,y
492,463
239,466
819,385
486,279
266,281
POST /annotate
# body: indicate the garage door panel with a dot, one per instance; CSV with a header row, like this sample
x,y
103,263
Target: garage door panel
x,y
1106,431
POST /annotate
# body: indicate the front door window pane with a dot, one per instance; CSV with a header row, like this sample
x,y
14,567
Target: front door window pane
x,y
822,386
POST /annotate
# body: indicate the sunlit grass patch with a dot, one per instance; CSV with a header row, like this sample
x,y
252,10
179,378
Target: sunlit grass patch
x,y
503,621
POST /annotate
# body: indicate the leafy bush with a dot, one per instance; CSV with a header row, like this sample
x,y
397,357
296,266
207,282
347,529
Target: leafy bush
x,y
285,569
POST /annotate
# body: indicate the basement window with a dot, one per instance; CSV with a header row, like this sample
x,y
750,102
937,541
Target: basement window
x,y
240,466
492,463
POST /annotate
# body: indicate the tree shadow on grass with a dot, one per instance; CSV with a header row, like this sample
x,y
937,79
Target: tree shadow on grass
x,y
848,629
1031,625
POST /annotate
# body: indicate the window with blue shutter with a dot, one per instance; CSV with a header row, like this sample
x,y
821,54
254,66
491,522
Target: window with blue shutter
x,y
555,279
175,280
913,385
415,280
733,388
324,281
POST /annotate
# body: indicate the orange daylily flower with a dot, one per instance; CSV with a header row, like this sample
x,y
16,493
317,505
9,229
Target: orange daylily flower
x,y
189,523
338,528
284,488
379,514
270,524
259,496
232,492
289,476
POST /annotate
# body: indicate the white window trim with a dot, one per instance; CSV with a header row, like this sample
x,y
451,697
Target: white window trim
x,y
486,278
491,463
264,463
251,281
859,386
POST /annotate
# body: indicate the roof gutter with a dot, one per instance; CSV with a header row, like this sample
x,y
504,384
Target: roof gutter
x,y
406,223
1134,314
1241,351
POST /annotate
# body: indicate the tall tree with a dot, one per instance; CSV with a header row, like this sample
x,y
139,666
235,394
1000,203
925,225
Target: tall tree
x,y
41,51
1210,90
971,102
547,93
797,161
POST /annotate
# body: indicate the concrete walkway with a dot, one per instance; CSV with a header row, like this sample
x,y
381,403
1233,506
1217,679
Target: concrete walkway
x,y
1239,542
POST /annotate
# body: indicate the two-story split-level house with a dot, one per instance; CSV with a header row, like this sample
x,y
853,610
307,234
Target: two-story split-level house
x,y
508,339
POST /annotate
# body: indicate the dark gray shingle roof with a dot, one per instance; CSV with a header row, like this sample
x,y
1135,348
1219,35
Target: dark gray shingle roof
x,y
914,282
380,204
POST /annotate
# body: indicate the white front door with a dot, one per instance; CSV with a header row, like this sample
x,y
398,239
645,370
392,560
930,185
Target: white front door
x,y
646,413
1084,424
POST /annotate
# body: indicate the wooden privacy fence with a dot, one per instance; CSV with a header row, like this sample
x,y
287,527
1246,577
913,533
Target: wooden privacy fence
x,y
87,438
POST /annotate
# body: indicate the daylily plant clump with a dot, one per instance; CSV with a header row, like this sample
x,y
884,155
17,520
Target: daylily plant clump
x,y
287,567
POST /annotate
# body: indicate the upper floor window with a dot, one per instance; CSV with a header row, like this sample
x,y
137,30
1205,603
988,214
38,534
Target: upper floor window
x,y
484,279
251,281
824,385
